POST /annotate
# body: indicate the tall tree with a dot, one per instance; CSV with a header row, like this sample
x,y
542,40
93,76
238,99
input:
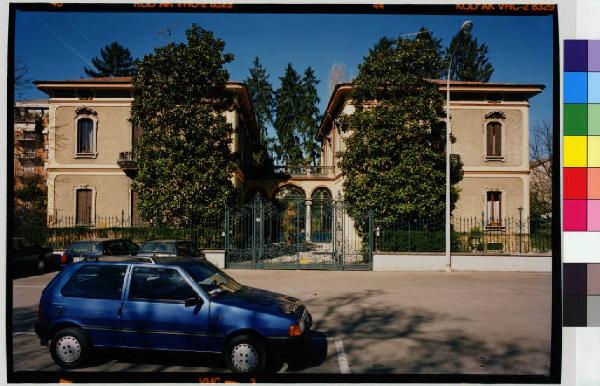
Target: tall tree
x,y
288,105
184,162
261,95
470,59
114,60
394,162
310,117
434,44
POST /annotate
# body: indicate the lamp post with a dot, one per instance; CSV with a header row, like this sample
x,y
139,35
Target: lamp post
x,y
465,28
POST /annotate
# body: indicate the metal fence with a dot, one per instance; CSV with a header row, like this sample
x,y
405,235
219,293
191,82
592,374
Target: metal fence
x,y
469,235
60,231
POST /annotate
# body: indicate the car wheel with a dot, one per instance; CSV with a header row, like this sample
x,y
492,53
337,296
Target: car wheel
x,y
69,348
246,354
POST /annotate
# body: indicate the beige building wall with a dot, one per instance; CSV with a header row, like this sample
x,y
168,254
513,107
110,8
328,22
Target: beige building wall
x,y
508,175
112,133
469,127
473,195
99,171
110,194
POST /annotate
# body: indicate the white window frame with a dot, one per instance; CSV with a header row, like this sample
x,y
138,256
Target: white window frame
x,y
85,113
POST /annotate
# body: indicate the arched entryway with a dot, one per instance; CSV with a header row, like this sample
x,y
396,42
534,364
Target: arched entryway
x,y
321,215
291,202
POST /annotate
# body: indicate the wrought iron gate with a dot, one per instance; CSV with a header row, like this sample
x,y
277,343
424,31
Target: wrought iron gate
x,y
296,234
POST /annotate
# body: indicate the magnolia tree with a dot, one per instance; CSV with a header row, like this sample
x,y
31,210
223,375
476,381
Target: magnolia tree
x,y
184,162
394,162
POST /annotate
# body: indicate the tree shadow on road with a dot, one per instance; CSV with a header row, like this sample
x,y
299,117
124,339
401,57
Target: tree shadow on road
x,y
422,340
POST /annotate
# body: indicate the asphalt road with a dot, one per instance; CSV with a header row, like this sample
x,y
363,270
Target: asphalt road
x,y
364,322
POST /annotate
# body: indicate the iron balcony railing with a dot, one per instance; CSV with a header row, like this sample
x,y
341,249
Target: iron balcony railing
x,y
126,160
301,170
28,155
27,137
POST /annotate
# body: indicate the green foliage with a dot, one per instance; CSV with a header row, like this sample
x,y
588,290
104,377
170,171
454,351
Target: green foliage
x,y
539,206
261,95
184,162
470,60
310,117
115,60
287,123
394,163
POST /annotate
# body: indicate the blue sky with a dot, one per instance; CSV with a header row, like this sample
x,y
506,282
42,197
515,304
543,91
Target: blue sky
x,y
56,45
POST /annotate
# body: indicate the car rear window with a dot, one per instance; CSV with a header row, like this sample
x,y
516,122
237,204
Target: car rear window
x,y
96,282
158,247
81,247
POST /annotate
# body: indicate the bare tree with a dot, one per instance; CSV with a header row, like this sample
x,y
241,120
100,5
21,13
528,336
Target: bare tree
x,y
21,71
541,147
337,74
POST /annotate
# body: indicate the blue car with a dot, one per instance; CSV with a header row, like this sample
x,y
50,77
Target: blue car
x,y
183,305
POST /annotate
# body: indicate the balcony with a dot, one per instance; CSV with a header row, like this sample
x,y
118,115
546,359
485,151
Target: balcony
x,y
126,161
28,155
26,136
305,171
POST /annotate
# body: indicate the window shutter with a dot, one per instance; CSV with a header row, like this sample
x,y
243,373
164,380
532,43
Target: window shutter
x,y
490,139
84,206
497,139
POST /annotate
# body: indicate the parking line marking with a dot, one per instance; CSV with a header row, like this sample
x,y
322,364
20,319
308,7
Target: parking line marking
x,y
341,355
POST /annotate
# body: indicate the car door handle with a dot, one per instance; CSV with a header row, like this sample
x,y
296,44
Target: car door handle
x,y
120,311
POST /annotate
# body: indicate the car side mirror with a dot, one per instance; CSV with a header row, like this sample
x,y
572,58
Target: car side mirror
x,y
191,302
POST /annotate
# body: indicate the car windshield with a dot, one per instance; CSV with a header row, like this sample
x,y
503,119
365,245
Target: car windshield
x,y
158,247
210,278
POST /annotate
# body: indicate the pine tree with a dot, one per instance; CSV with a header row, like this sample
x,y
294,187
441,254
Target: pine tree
x,y
310,118
288,105
470,60
115,60
184,162
261,95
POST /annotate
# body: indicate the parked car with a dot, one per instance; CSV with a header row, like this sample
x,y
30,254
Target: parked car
x,y
169,248
93,249
185,305
27,255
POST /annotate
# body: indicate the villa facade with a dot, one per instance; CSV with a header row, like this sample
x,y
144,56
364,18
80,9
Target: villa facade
x,y
491,124
91,138
90,160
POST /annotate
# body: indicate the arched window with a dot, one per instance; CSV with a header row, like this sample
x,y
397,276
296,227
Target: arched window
x,y
85,136
290,193
494,140
321,215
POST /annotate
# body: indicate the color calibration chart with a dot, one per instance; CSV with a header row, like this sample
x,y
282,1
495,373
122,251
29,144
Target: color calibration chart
x,y
581,150
581,295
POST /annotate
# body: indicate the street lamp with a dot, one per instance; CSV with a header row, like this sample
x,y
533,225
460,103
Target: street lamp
x,y
465,28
